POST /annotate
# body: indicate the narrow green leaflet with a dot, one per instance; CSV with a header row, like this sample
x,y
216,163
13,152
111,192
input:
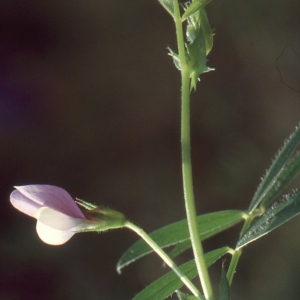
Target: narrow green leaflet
x,y
194,7
208,225
290,171
276,168
224,288
169,283
168,5
178,249
279,213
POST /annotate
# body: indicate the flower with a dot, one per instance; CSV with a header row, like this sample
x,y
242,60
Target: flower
x,y
58,216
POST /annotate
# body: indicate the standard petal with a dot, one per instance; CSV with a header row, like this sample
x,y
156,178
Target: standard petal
x,y
58,220
53,236
23,204
51,196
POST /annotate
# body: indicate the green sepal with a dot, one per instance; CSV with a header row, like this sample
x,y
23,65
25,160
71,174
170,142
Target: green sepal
x,y
108,218
279,213
86,205
104,218
224,288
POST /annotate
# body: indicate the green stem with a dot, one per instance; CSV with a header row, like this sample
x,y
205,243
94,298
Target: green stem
x,y
186,161
233,264
237,253
165,258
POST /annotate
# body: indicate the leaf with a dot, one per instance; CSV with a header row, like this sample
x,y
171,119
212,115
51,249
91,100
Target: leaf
x,y
290,171
194,7
169,283
279,213
224,288
208,225
275,169
168,5
178,249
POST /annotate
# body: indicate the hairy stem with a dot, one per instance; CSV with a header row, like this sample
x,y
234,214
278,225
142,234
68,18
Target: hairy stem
x,y
233,264
186,160
237,253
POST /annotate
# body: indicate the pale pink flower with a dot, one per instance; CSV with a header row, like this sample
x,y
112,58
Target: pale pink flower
x,y
58,216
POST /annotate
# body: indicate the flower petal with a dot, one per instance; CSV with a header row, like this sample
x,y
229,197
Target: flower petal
x,y
23,204
53,236
51,196
58,220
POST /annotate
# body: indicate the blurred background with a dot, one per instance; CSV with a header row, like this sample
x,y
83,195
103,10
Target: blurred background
x,y
90,101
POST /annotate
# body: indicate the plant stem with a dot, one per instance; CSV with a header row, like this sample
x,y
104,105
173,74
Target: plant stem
x,y
233,264
165,258
186,160
237,253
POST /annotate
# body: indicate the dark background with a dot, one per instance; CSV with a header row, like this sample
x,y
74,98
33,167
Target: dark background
x,y
90,101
